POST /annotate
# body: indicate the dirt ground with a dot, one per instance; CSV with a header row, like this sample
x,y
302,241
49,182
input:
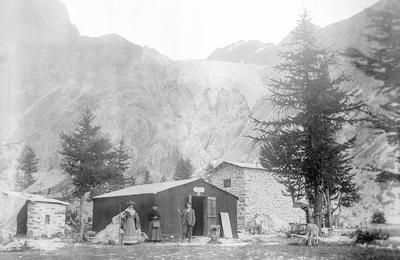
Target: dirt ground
x,y
271,248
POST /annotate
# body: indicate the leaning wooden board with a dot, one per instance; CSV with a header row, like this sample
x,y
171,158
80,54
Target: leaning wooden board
x,y
226,224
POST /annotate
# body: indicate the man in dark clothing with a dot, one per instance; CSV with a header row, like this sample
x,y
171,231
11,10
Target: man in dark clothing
x,y
188,221
155,227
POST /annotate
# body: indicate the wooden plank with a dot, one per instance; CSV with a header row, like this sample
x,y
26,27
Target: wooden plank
x,y
226,224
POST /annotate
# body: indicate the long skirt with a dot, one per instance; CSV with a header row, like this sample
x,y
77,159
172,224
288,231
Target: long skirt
x,y
154,232
130,232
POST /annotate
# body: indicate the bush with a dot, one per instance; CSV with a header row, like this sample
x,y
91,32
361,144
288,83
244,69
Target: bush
x,y
368,236
378,218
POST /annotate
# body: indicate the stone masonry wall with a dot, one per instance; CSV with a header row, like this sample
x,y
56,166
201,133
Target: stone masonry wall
x,y
264,196
234,173
36,224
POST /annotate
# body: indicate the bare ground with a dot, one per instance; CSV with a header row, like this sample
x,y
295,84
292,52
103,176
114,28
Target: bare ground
x,y
271,248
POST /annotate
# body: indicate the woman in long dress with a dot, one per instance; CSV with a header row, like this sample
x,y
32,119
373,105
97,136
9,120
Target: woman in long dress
x,y
155,227
130,224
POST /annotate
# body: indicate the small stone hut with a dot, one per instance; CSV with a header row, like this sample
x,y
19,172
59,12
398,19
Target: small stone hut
x,y
258,192
208,201
31,215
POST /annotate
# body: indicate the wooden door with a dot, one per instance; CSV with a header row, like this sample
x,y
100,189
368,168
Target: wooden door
x,y
211,212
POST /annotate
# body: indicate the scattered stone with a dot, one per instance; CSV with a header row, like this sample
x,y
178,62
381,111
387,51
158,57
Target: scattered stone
x,y
45,244
15,246
5,238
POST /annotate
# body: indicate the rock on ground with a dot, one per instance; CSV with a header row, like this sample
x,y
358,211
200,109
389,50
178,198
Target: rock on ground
x,y
110,235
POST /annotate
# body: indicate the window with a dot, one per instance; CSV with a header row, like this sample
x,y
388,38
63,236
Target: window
x,y
212,207
227,183
47,219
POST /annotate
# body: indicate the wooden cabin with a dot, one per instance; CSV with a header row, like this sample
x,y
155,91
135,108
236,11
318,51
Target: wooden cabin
x,y
207,201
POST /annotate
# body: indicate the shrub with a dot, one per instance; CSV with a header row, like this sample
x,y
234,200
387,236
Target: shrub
x,y
378,218
368,236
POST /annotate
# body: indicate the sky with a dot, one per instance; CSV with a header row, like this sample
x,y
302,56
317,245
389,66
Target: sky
x,y
192,29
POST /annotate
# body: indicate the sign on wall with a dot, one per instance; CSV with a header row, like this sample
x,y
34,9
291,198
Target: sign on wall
x,y
199,190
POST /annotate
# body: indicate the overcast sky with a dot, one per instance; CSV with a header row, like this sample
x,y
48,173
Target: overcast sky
x,y
192,29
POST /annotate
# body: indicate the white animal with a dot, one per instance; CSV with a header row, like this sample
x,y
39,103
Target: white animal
x,y
312,231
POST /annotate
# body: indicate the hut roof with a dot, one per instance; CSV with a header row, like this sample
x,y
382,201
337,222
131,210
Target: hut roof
x,y
153,188
34,197
243,165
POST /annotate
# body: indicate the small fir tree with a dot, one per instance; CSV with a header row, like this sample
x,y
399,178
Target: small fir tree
x,y
163,178
27,163
147,178
183,170
87,158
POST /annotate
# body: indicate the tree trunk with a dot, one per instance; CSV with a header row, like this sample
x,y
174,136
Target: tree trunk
x,y
318,209
306,208
328,216
81,218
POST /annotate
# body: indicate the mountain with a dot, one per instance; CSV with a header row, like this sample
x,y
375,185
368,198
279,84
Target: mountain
x,y
350,31
247,52
164,109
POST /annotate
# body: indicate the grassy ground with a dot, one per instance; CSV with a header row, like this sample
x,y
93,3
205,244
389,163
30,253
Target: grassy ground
x,y
272,249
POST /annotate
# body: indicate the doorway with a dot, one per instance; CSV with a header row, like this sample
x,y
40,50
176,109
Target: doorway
x,y
198,206
22,218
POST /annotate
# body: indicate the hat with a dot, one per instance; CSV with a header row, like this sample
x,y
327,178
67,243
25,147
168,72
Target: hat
x,y
130,203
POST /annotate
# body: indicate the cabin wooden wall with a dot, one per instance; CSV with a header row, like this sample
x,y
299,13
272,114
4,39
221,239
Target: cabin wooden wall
x,y
104,209
175,198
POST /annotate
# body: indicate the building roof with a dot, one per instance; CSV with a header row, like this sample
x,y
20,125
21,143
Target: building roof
x,y
34,197
153,188
243,165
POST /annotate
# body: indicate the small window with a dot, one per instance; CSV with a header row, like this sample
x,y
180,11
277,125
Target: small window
x,y
47,219
212,207
227,183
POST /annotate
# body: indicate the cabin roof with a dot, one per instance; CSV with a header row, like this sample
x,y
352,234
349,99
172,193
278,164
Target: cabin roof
x,y
153,188
243,165
34,197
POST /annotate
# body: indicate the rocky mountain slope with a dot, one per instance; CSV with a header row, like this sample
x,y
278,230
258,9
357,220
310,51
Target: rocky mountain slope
x,y
164,109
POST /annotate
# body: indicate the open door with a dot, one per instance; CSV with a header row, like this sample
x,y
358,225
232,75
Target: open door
x,y
198,206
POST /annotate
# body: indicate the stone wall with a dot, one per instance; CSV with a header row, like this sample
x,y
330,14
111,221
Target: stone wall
x,y
45,219
264,196
258,192
228,171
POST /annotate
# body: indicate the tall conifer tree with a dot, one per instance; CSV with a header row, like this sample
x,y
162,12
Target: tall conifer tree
x,y
300,145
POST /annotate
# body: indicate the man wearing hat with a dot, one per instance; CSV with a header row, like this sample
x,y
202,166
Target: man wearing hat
x,y
188,220
130,223
155,225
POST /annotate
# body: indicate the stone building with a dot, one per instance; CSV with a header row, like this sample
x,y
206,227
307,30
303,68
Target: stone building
x,y
258,192
31,215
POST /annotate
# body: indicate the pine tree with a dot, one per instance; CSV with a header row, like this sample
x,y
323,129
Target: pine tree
x,y
28,163
87,158
121,161
208,171
183,170
147,178
382,62
131,181
316,110
163,178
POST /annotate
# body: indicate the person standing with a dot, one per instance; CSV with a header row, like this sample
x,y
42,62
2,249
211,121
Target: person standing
x,y
155,226
188,220
130,223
